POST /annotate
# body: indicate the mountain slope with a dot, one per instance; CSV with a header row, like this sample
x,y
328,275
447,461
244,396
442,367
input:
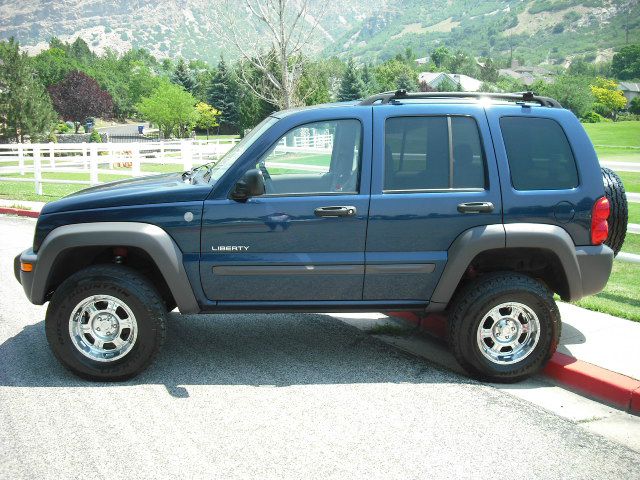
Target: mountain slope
x,y
536,30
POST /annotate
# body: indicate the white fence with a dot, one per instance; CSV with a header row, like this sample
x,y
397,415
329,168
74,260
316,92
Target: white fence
x,y
28,162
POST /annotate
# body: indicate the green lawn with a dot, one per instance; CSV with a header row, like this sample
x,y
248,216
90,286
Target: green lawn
x,y
631,181
611,138
634,212
621,134
631,243
215,137
54,191
317,159
621,297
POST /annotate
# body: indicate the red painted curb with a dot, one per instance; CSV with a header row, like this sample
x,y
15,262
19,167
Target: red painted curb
x,y
592,381
19,212
597,382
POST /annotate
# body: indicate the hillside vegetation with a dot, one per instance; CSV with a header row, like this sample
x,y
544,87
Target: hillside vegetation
x,y
534,31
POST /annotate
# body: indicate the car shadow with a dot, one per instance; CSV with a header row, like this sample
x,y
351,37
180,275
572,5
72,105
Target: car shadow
x,y
256,350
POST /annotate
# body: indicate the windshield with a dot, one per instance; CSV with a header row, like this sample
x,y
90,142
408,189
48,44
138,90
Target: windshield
x,y
232,155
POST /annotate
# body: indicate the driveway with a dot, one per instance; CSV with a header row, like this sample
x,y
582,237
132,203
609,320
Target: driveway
x,y
270,396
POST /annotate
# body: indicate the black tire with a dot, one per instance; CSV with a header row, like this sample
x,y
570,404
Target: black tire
x,y
130,288
476,299
619,216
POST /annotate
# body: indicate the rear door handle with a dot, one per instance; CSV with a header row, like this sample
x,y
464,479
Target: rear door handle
x,y
475,207
337,211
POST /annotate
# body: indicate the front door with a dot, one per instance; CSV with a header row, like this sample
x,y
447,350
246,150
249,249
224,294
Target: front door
x,y
304,239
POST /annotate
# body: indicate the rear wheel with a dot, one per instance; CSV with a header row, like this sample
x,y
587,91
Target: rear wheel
x,y
619,216
504,327
106,322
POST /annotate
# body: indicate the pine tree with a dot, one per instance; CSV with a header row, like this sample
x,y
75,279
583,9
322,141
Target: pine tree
x,y
368,80
25,106
351,87
182,76
223,94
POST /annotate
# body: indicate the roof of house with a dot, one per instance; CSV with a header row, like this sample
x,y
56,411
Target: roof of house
x,y
468,84
629,86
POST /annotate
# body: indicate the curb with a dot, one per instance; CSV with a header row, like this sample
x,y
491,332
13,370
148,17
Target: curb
x,y
19,212
585,378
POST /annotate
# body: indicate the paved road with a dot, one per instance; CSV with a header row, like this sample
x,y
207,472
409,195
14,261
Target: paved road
x,y
270,396
128,129
622,166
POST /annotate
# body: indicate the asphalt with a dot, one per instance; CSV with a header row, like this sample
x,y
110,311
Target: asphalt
x,y
271,396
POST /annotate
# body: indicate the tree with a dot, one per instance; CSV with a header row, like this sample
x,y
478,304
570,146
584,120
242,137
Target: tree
x,y
625,64
25,107
78,97
170,107
489,71
223,94
572,92
53,65
608,99
315,84
368,80
388,73
351,87
634,106
182,76
440,56
207,117
287,27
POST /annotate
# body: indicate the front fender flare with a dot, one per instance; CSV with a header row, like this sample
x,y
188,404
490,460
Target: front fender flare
x,y
150,238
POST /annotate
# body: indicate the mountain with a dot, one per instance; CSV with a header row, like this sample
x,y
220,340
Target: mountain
x,y
537,31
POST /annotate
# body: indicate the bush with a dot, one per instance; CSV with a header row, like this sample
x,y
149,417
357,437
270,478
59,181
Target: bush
x,y
592,117
51,138
627,117
62,128
95,137
634,106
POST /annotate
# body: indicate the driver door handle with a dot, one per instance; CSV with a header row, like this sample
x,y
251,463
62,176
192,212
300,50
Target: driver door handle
x,y
475,207
340,211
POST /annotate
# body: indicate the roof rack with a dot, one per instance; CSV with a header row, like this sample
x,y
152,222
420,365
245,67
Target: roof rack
x,y
520,97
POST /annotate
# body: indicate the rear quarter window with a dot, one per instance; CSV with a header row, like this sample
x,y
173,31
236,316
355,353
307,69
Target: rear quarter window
x,y
539,154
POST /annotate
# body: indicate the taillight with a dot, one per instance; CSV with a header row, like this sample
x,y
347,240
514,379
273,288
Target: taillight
x,y
599,216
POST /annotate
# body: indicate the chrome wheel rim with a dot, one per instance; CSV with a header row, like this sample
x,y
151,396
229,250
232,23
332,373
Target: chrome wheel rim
x,y
508,333
103,328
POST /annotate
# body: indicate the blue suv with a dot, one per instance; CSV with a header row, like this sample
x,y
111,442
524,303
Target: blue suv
x,y
482,206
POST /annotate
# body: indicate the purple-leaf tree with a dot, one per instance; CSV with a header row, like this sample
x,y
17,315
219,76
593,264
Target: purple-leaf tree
x,y
78,97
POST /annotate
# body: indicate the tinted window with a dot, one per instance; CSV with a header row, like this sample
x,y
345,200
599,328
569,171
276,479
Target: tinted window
x,y
420,154
539,154
319,157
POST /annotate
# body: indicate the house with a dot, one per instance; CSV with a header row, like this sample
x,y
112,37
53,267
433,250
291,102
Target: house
x,y
464,82
527,74
422,61
630,90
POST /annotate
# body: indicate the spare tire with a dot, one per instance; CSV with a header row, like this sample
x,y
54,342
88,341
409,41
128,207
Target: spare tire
x,y
619,216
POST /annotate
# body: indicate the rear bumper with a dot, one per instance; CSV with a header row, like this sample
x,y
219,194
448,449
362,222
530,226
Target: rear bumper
x,y
595,267
25,278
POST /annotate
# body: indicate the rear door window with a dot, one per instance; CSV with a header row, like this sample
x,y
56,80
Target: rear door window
x,y
433,153
539,154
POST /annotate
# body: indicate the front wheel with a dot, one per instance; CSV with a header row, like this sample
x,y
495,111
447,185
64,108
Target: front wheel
x,y
504,327
106,322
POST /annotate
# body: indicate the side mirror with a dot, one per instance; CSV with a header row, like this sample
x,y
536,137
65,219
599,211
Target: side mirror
x,y
250,185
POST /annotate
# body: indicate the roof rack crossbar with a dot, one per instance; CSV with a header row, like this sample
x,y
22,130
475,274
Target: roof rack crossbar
x,y
528,97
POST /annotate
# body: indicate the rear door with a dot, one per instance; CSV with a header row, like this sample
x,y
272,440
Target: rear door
x,y
303,241
434,176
